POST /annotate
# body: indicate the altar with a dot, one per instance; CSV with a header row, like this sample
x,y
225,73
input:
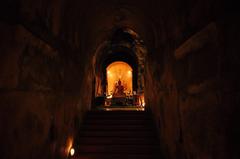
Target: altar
x,y
118,97
118,101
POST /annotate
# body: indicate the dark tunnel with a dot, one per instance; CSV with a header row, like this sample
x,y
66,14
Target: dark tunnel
x,y
54,85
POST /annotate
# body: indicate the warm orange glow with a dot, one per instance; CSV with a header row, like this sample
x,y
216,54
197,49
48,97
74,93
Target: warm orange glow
x,y
69,145
119,70
72,151
109,97
142,101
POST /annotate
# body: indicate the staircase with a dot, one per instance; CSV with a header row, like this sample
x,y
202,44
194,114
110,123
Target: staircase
x,y
118,135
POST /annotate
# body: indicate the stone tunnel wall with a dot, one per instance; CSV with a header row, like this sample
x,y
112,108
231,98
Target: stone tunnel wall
x,y
193,89
45,87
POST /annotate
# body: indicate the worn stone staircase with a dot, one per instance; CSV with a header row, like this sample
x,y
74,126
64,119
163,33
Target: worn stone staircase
x,y
118,135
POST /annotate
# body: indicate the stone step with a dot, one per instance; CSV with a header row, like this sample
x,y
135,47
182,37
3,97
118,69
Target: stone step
x,y
113,117
117,156
118,113
117,127
118,122
129,149
117,133
117,140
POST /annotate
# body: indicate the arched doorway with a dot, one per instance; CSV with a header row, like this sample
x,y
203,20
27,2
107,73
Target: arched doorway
x,y
123,54
118,55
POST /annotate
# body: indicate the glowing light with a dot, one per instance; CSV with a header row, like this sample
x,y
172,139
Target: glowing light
x,y
69,145
109,97
119,70
72,151
142,100
109,73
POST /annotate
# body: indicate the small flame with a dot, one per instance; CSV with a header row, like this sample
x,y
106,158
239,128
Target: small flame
x,y
72,151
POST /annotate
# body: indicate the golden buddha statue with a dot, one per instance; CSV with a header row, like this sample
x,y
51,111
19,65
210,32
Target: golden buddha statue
x,y
119,90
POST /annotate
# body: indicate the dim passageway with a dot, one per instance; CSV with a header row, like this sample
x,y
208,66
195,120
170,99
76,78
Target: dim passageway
x,y
110,78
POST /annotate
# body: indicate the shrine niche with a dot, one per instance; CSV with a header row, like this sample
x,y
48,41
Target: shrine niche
x,y
119,79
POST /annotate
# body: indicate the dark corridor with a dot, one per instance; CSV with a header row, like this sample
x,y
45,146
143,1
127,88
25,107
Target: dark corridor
x,y
185,65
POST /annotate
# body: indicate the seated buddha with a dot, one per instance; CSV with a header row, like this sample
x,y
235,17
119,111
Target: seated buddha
x,y
119,90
